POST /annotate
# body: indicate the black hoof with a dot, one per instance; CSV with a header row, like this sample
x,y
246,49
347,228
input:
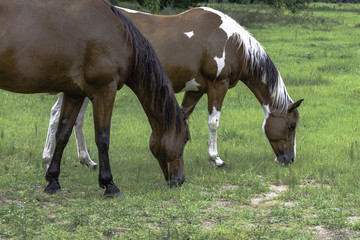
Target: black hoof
x,y
53,187
94,167
112,191
90,167
222,166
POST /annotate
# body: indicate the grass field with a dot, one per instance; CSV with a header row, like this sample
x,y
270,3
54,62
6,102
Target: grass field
x,y
318,197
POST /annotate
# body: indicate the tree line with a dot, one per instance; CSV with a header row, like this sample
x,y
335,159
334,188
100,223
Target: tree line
x,y
292,5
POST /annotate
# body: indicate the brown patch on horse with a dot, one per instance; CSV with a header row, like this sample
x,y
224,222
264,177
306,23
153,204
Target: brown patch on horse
x,y
208,49
89,49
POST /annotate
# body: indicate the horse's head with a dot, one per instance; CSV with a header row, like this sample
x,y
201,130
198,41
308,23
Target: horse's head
x,y
280,130
168,148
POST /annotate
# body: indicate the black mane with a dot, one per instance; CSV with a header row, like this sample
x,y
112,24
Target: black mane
x,y
150,77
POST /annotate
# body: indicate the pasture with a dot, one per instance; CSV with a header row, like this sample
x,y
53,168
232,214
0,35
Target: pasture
x,y
318,197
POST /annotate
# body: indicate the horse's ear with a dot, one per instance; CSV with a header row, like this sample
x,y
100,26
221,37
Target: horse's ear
x,y
295,105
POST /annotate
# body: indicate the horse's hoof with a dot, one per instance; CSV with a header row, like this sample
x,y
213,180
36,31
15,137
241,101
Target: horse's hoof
x,y
93,167
221,166
113,195
53,188
217,162
112,191
89,164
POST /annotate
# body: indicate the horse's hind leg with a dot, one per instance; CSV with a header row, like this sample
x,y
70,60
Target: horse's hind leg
x,y
69,111
51,134
190,100
49,148
83,154
103,103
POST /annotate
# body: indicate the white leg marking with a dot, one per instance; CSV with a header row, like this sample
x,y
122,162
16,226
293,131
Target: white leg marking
x,y
51,134
191,85
220,63
83,154
189,34
213,123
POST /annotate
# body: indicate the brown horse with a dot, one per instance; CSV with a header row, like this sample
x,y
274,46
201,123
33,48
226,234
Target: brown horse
x,y
89,49
205,51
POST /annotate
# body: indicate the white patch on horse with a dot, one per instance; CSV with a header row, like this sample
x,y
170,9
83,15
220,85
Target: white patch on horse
x,y
189,34
255,54
191,85
220,63
266,114
264,79
280,95
213,123
131,11
253,50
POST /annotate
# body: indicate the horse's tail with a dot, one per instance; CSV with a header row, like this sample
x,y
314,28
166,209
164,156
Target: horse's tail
x,y
149,75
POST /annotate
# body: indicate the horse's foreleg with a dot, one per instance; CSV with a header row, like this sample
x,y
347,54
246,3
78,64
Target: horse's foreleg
x,y
69,111
83,154
51,134
216,94
102,107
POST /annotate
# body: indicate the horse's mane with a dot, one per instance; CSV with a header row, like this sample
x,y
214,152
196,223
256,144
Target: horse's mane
x,y
150,76
259,62
263,67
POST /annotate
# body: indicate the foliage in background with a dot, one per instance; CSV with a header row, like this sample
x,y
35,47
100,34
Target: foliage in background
x,y
292,5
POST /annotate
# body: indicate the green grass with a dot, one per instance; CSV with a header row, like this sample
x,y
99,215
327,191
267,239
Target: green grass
x,y
317,53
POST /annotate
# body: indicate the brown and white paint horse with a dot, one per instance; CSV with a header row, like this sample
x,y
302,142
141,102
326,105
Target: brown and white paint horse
x,y
205,51
89,49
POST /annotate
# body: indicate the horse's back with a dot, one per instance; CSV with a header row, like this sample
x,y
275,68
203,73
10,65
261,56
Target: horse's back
x,y
59,42
194,39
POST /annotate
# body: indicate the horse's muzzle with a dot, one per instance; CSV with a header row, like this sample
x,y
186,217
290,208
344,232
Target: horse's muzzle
x,y
177,181
284,160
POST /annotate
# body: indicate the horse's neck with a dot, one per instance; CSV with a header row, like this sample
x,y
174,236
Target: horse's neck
x,y
258,88
266,83
155,109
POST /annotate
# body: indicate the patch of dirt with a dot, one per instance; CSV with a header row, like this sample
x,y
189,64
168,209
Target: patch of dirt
x,y
353,219
7,201
268,198
326,234
207,225
312,183
215,205
227,188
